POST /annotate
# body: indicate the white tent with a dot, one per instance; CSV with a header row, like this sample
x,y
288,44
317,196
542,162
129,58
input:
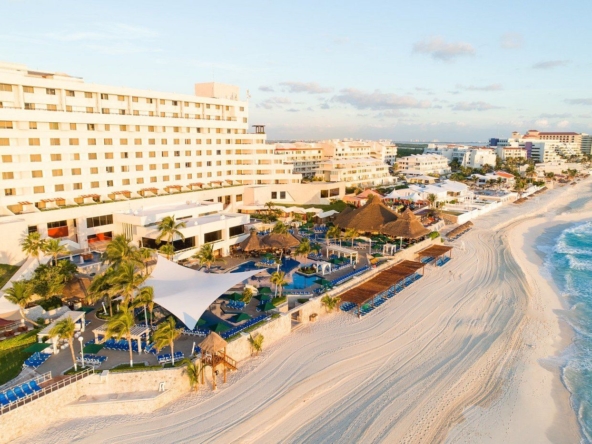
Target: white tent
x,y
325,214
188,293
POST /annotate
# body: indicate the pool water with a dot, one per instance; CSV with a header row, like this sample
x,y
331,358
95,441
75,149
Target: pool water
x,y
247,266
300,281
287,266
76,259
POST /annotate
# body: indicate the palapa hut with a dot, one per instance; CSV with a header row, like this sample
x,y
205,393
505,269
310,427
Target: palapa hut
x,y
342,216
213,354
252,243
407,226
279,240
368,219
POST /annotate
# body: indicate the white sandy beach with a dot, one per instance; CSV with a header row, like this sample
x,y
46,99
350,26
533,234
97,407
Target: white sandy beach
x,y
464,355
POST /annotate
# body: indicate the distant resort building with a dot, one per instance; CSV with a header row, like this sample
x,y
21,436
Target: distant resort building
x,y
423,164
466,156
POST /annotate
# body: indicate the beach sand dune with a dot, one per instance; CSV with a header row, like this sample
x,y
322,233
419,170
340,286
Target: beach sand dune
x,y
454,357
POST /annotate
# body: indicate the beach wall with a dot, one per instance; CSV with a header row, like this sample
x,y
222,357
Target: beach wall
x,y
110,395
272,331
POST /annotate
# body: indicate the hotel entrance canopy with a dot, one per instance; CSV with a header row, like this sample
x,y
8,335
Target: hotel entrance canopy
x,y
188,293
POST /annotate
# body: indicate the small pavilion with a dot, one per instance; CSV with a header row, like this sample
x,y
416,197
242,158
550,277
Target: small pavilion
x,y
139,333
407,226
77,316
435,251
342,252
213,354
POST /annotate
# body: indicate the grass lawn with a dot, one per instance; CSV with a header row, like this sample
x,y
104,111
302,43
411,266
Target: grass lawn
x,y
20,340
279,301
140,366
6,272
80,370
11,363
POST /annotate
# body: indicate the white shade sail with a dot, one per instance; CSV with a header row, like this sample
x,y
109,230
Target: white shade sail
x,y
188,293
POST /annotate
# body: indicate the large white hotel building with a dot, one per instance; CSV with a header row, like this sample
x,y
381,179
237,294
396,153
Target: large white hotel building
x,y
85,162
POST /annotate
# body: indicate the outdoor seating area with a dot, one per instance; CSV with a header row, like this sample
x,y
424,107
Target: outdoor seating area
x,y
235,305
36,359
121,345
235,330
166,358
92,359
348,276
436,252
23,390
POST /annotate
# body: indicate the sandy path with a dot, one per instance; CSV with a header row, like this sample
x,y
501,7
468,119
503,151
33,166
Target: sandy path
x,y
405,373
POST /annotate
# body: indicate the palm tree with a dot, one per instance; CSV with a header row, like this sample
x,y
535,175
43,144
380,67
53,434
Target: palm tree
x,y
145,299
20,294
120,250
278,278
65,329
432,199
33,245
256,343
102,287
304,248
168,250
126,281
330,302
53,247
120,326
166,334
192,370
351,233
247,295
334,232
206,256
170,229
67,270
145,255
280,228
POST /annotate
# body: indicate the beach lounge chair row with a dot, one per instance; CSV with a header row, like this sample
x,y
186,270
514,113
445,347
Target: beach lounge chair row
x,y
442,261
315,257
347,306
236,305
92,359
239,328
36,359
349,276
121,345
299,292
196,332
19,392
166,358
426,260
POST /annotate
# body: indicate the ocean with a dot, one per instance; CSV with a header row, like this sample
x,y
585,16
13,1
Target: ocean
x,y
569,261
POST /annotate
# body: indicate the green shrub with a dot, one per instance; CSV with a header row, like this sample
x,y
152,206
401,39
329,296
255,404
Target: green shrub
x,y
278,301
434,235
51,303
302,301
11,363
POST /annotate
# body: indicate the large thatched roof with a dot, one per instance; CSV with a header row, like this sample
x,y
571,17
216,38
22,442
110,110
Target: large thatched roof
x,y
342,216
406,226
369,218
213,343
252,243
277,240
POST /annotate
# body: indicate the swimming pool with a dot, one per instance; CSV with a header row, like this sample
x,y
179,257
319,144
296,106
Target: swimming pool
x,y
247,266
77,259
287,266
300,281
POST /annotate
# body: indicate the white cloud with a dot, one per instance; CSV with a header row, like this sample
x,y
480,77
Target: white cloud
x,y
563,124
550,64
492,87
579,101
102,32
377,100
542,122
512,40
266,88
274,102
473,106
302,87
439,49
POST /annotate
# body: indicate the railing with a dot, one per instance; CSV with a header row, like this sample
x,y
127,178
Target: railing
x,y
49,389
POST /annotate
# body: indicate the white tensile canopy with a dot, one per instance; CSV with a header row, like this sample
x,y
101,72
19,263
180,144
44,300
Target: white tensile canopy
x,y
188,293
325,214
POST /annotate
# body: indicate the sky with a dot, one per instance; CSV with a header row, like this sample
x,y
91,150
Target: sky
x,y
422,70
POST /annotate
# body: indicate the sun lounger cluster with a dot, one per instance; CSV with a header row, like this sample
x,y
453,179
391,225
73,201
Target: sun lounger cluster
x,y
197,332
266,262
426,260
166,358
92,359
442,261
348,276
121,345
315,257
239,328
235,305
22,391
293,292
36,359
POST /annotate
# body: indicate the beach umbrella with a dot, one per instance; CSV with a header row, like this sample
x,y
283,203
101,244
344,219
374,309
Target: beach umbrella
x,y
265,297
201,322
264,290
267,306
241,317
219,327
235,297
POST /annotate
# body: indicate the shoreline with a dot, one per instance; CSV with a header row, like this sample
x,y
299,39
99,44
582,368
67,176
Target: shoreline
x,y
450,359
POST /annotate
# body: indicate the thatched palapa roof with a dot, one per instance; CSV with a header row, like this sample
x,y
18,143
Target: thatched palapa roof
x,y
252,243
279,240
369,218
213,343
407,226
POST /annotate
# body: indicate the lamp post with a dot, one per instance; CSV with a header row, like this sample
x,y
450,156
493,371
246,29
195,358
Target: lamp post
x,y
81,350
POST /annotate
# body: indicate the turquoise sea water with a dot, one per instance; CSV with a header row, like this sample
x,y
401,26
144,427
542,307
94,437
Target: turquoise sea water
x,y
569,260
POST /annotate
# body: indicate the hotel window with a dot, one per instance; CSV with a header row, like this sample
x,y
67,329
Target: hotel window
x,y
209,163
39,189
74,142
105,110
165,166
89,109
153,179
5,87
35,157
187,164
88,95
140,180
139,154
108,142
187,141
53,108
92,141
73,126
6,158
122,112
218,152
207,106
92,156
110,169
136,113
109,183
94,170
4,124
108,155
190,176
90,126
33,142
107,127
162,114
76,171
123,141
218,163
125,155
37,174
122,127
54,126
77,186
239,197
125,182
151,141
8,175
162,102
50,91
209,142
152,167
59,187
94,184
175,103
54,142
165,178
104,96
177,153
139,167
32,125
151,153
177,177
134,99
9,191
56,157
28,89
29,106
121,98
165,154
198,141
137,141
70,93
163,141
149,101
125,169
